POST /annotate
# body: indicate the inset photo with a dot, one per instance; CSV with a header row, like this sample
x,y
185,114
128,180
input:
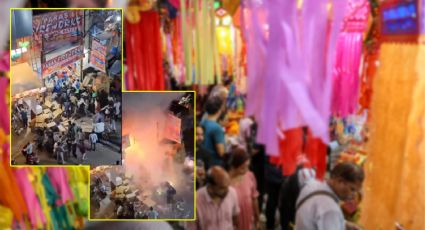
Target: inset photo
x,y
66,69
157,177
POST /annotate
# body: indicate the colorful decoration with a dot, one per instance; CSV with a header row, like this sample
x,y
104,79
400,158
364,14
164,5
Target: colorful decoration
x,y
144,55
296,72
396,158
349,53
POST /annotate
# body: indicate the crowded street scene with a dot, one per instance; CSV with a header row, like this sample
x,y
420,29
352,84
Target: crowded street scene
x,y
66,87
157,178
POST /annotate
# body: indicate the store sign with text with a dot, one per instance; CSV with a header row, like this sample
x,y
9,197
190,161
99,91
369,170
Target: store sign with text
x,y
63,60
97,55
57,29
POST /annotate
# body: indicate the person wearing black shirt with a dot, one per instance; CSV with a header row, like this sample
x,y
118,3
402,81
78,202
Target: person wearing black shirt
x,y
201,152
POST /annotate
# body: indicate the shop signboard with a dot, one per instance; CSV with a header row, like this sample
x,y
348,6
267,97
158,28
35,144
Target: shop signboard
x,y
63,60
57,29
400,20
97,55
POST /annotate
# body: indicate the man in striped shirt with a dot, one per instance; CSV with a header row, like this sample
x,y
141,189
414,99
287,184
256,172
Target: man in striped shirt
x,y
217,203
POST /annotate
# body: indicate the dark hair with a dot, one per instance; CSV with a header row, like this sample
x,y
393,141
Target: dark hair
x,y
209,179
213,105
349,172
236,158
151,208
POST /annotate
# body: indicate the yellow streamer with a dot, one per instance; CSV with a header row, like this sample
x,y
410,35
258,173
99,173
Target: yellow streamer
x,y
394,186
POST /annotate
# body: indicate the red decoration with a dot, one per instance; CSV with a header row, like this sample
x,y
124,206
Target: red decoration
x,y
143,52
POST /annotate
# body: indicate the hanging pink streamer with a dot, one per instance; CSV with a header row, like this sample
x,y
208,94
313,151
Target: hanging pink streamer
x,y
4,61
349,51
254,26
295,64
34,208
4,114
60,181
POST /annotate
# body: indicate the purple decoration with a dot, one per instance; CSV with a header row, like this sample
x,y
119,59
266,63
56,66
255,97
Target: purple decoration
x,y
290,66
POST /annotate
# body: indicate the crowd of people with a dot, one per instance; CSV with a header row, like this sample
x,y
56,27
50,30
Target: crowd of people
x,y
238,187
76,102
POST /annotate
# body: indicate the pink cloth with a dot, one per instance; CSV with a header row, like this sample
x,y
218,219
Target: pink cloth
x,y
4,61
290,65
246,190
175,3
213,216
4,110
36,214
60,182
346,70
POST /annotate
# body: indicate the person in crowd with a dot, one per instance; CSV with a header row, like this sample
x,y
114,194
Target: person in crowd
x,y
214,138
93,140
80,135
201,152
245,185
82,148
86,106
290,191
153,214
24,118
318,203
117,107
81,107
273,180
74,145
67,109
58,151
76,85
200,174
28,149
216,204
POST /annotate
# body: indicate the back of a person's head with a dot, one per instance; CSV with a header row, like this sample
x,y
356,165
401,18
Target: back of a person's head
x,y
236,158
213,105
348,171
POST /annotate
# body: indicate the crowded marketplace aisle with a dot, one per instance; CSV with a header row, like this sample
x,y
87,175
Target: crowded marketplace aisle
x,y
66,77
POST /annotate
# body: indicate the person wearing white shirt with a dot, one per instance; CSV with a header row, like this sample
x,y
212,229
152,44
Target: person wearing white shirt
x,y
93,140
318,203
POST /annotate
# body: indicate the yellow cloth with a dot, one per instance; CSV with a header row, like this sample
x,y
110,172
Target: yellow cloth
x,y
199,42
6,218
395,179
224,40
36,181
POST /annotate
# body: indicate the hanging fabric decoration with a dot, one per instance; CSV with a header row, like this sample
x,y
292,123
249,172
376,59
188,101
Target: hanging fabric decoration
x,y
4,61
36,215
349,53
178,49
144,56
4,118
396,152
199,43
40,198
6,218
187,37
296,71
